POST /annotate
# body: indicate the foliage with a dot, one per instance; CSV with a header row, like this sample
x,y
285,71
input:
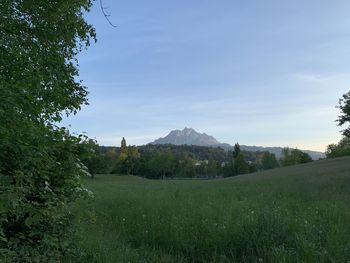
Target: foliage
x,y
187,161
237,165
186,167
161,165
123,158
340,149
190,160
240,166
39,165
294,156
123,144
134,156
344,106
269,161
343,147
293,214
236,151
90,156
212,168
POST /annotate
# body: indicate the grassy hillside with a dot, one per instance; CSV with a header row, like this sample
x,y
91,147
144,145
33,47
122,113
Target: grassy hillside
x,y
292,214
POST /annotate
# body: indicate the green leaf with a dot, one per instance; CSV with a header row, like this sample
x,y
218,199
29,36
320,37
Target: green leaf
x,y
29,221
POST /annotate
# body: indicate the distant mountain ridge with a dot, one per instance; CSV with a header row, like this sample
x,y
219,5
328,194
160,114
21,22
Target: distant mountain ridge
x,y
191,137
187,136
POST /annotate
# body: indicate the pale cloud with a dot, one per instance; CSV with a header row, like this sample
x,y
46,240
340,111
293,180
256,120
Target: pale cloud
x,y
311,78
332,82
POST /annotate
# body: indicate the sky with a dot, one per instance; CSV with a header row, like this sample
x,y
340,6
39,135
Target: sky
x,y
266,73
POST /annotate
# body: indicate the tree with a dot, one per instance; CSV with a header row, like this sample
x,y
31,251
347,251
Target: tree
x,y
189,168
302,157
340,149
344,106
123,163
294,156
343,147
185,166
162,165
134,159
123,144
92,158
240,166
236,151
269,161
212,167
39,161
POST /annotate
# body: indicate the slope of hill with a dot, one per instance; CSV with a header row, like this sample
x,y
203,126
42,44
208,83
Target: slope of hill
x,y
290,214
191,137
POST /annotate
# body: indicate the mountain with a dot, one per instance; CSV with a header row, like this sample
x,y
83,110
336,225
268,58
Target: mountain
x,y
187,136
191,137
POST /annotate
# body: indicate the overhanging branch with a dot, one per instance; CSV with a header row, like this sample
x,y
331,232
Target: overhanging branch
x,y
103,9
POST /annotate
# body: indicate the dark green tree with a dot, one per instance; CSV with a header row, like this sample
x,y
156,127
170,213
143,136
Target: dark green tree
x,y
240,166
212,167
340,149
301,157
123,164
294,156
92,158
134,160
185,166
123,143
343,147
344,118
39,161
189,168
236,151
162,165
269,161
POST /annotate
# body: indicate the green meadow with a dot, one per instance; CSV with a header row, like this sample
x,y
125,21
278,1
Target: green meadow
x,y
290,214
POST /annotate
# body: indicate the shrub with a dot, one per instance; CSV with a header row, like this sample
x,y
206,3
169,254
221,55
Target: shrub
x,y
39,166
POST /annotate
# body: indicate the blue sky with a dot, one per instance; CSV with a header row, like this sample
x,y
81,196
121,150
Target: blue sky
x,y
255,72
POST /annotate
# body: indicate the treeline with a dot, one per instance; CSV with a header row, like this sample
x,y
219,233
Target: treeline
x,y
184,161
342,148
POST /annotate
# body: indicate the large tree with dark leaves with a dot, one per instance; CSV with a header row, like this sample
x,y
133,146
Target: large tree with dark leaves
x,y
39,165
344,118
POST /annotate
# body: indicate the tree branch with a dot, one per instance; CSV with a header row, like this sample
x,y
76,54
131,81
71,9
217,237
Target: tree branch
x,y
103,9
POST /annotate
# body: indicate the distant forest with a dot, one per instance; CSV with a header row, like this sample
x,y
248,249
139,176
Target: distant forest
x,y
184,161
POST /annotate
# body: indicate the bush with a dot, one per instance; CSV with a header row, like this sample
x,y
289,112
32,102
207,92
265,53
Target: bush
x,y
39,166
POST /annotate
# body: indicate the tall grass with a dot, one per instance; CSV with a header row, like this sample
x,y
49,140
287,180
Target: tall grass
x,y
294,214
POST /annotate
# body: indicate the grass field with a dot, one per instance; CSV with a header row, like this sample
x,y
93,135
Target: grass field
x,y
292,214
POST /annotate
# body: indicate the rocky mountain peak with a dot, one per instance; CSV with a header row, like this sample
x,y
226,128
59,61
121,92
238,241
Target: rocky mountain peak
x,y
187,136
